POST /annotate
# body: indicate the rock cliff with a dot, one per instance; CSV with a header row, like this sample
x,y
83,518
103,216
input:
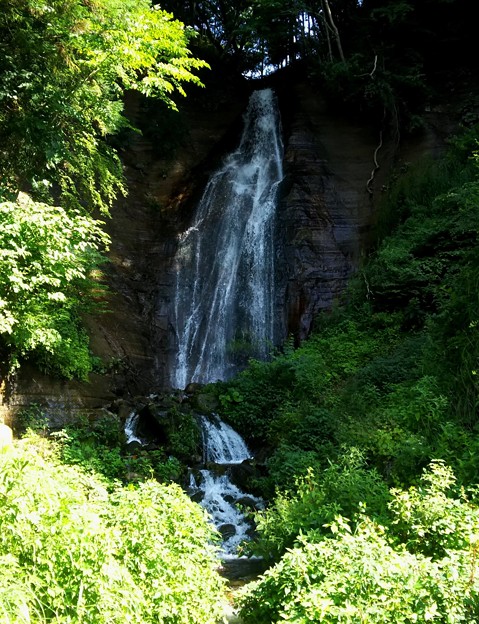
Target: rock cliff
x,y
323,221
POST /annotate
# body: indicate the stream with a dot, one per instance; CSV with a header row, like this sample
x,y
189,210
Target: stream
x,y
213,489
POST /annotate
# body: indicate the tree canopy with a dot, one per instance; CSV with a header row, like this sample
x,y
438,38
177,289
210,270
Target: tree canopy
x,y
64,68
275,32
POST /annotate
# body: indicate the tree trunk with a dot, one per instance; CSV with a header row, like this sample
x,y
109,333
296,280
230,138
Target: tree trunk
x,y
327,10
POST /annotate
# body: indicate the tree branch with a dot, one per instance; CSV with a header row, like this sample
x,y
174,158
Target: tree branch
x,y
376,165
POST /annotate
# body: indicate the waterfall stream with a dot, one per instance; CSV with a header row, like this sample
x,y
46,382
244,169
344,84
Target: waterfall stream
x,y
131,424
211,485
221,443
223,302
222,448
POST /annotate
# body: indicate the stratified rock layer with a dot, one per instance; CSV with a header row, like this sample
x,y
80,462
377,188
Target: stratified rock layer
x,y
323,221
326,210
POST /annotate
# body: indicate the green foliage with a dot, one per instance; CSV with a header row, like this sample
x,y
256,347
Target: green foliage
x,y
316,499
46,266
31,419
418,186
428,266
382,89
339,348
256,392
164,126
64,67
436,517
367,575
48,260
184,438
98,447
73,551
287,399
397,429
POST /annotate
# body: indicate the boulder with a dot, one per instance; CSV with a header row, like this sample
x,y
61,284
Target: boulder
x,y
227,530
249,502
206,403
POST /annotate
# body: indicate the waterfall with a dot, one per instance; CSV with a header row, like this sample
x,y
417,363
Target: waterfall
x,y
223,303
221,443
222,448
131,424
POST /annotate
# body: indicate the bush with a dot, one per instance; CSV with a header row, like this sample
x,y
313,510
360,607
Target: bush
x,y
252,396
98,447
343,488
80,553
436,517
48,261
378,573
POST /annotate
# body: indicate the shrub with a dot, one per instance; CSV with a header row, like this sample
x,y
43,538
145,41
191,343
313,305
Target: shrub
x,y
80,553
344,488
435,517
381,574
249,400
47,266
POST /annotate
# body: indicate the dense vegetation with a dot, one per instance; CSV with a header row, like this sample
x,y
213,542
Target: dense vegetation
x,y
369,430
371,426
82,548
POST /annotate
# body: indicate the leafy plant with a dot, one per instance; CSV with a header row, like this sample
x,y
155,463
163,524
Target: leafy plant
x,y
74,550
63,71
47,279
435,517
31,419
251,396
317,497
376,573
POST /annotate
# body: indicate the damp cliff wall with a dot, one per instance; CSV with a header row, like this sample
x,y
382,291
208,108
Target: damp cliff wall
x,y
324,218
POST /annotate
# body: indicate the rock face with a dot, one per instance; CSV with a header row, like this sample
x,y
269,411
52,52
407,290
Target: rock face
x,y
323,221
325,211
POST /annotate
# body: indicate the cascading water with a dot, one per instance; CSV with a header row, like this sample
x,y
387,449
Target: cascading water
x,y
223,447
131,425
225,261
221,443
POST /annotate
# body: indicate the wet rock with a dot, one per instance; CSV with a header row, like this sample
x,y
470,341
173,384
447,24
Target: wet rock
x,y
241,474
152,424
193,388
155,412
227,531
241,570
217,469
197,497
123,409
134,447
206,403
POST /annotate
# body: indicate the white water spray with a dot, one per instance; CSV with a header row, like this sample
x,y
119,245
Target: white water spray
x,y
131,424
220,497
221,443
224,265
